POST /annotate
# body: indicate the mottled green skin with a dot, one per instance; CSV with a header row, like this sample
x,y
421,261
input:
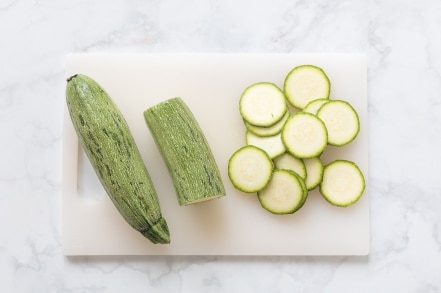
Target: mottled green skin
x,y
185,151
105,137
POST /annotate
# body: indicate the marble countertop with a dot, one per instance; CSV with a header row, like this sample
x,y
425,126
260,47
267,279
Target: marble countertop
x,y
402,44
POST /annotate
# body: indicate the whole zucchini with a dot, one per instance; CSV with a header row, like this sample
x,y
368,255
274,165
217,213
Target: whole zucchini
x,y
185,151
106,139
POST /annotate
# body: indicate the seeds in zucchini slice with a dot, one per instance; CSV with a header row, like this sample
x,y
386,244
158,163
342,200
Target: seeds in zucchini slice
x,y
304,135
284,194
341,121
314,172
272,145
262,104
289,162
306,83
250,169
343,183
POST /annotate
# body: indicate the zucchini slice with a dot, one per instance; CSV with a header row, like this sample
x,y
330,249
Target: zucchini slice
x,y
185,150
306,83
314,172
262,104
343,183
272,145
313,106
289,162
250,169
341,121
270,130
304,135
284,194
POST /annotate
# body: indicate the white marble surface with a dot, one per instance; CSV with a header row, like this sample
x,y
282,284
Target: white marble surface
x,y
401,40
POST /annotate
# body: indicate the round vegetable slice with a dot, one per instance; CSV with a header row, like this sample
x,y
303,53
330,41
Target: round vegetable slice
x,y
341,121
272,145
289,162
304,135
250,169
314,172
315,105
284,194
306,83
262,104
343,183
274,129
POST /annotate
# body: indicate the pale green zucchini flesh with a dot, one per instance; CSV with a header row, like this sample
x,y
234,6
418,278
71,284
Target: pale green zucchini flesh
x,y
107,141
285,193
250,169
262,104
306,83
343,183
341,121
304,135
289,162
185,150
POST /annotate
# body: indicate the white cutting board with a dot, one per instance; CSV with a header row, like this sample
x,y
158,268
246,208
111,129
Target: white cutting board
x,y
211,85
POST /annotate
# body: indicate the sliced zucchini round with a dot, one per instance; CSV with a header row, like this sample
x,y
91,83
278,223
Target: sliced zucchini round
x,y
306,83
313,106
343,183
289,162
304,135
341,121
314,172
270,130
284,194
272,145
262,104
250,169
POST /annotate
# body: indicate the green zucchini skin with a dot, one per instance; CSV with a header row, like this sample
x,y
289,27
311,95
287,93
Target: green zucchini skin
x,y
106,139
185,150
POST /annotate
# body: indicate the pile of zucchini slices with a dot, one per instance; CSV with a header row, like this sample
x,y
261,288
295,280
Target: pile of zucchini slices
x,y
287,130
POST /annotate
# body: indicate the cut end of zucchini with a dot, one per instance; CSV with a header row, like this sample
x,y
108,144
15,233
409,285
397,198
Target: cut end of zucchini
x,y
284,194
262,104
343,183
250,169
306,83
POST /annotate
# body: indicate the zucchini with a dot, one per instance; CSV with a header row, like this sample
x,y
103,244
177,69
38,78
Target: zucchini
x,y
274,129
185,150
343,183
106,139
304,135
314,172
306,83
315,105
289,162
262,104
250,169
272,145
341,121
285,193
